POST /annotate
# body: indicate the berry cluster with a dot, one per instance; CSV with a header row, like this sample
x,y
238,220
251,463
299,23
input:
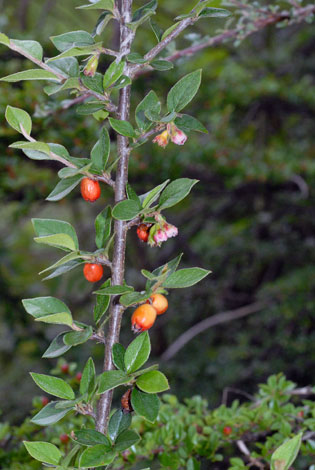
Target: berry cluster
x,y
145,315
156,234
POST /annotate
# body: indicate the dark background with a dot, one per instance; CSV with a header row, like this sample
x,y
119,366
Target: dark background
x,y
250,219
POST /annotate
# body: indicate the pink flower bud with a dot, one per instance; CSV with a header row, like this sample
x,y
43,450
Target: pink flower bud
x,y
178,137
160,236
91,66
161,139
170,230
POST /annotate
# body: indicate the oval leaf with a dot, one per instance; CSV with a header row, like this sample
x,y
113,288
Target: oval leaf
x,y
137,352
145,404
185,278
43,451
152,382
53,385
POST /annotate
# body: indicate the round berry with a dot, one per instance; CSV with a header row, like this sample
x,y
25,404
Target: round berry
x,y
227,430
45,401
90,189
143,232
159,302
64,438
143,318
64,368
78,376
93,272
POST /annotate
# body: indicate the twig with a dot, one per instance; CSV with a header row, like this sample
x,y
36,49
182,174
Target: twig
x,y
151,132
132,223
200,327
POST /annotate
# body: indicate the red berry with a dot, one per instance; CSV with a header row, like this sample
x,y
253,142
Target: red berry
x,y
93,272
45,401
64,438
227,430
64,368
301,414
143,318
90,189
159,302
78,376
143,232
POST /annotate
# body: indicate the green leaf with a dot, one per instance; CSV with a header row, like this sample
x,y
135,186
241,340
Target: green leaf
x,y
102,304
113,73
149,198
114,290
31,48
159,64
118,423
45,227
126,210
31,74
169,30
89,108
102,22
100,151
60,240
142,14
170,267
137,352
122,82
76,52
90,437
145,404
53,385
96,456
66,41
136,58
17,117
64,268
183,91
43,451
73,338
57,347
133,298
94,83
188,123
64,187
185,278
111,379
118,354
38,146
122,127
214,13
126,439
4,39
286,453
70,172
48,310
158,32
149,103
99,5
50,414
152,382
87,382
68,66
103,224
176,192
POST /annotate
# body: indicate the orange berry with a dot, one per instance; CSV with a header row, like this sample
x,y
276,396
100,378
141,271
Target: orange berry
x,y
93,272
227,430
90,189
159,302
143,318
143,232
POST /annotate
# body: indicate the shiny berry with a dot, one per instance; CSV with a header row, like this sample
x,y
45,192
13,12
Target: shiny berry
x,y
143,318
64,438
93,272
159,302
90,189
227,430
45,401
64,368
143,232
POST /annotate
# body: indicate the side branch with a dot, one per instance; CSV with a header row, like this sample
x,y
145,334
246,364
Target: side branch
x,y
195,330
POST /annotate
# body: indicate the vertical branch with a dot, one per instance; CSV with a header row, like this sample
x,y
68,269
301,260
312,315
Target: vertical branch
x,y
118,263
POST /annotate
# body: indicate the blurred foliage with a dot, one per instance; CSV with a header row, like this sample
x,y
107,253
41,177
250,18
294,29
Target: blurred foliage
x,y
189,435
250,219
